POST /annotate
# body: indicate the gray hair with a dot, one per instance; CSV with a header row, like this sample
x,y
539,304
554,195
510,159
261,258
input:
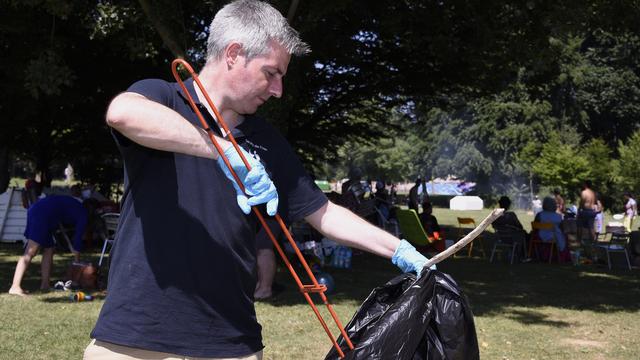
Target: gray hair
x,y
253,24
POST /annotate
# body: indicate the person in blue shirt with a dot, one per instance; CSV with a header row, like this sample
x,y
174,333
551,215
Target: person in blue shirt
x,y
43,219
549,215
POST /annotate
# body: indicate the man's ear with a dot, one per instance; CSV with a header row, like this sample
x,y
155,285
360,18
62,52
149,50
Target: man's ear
x,y
232,53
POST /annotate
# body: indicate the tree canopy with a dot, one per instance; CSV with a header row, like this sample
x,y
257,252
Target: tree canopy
x,y
481,90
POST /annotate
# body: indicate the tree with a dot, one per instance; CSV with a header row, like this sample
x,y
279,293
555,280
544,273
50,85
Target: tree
x,y
480,139
58,77
602,168
477,78
387,159
562,165
598,85
628,173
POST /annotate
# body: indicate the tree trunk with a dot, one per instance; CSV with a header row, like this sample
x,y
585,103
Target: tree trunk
x,y
166,17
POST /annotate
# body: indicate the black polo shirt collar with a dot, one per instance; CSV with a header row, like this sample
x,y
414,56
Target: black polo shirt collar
x,y
245,129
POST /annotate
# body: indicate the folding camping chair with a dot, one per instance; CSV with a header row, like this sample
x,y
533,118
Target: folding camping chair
x,y
111,225
388,225
618,242
508,237
411,228
535,241
465,225
62,232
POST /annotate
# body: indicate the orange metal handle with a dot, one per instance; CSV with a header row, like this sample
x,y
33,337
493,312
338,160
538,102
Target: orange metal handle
x,y
304,289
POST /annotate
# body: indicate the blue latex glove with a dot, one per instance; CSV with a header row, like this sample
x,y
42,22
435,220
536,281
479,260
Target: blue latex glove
x,y
257,183
407,258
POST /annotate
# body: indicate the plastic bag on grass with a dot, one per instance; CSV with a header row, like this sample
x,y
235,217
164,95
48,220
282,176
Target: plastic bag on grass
x,y
407,319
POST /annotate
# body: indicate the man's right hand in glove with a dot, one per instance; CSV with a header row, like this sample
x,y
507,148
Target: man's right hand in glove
x,y
257,183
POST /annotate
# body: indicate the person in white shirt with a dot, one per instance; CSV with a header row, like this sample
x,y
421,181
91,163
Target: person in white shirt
x,y
630,211
536,205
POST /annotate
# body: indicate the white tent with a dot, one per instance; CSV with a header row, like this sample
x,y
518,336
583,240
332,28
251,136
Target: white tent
x,y
466,203
13,216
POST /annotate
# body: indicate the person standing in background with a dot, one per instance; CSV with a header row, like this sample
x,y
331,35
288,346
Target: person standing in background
x,y
43,218
536,205
417,195
630,211
560,206
599,222
586,211
68,174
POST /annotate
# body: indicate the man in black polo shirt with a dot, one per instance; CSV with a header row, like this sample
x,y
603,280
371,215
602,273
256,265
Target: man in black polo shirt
x,y
182,272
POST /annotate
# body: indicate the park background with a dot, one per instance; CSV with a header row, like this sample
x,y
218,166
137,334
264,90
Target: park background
x,y
520,97
517,96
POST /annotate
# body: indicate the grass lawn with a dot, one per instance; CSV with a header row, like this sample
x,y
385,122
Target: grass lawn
x,y
522,311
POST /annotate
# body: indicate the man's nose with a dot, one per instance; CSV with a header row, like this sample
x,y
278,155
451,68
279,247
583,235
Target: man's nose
x,y
275,88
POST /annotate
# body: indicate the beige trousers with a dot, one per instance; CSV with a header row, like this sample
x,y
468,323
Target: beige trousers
x,y
100,350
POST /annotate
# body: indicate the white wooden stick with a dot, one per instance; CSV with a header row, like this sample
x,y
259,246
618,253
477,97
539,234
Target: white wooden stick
x,y
496,213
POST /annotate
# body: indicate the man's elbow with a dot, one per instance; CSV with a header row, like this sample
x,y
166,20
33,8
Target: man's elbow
x,y
119,110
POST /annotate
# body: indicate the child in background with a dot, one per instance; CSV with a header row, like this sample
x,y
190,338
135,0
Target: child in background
x,y
431,226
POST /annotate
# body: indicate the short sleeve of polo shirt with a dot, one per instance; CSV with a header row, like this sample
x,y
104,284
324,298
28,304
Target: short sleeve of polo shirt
x,y
157,90
153,89
304,197
299,194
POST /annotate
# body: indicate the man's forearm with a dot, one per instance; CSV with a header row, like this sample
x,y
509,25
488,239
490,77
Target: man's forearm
x,y
158,127
345,227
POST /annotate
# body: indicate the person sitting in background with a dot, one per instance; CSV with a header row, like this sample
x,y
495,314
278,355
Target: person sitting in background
x,y
393,193
431,226
383,202
509,219
353,191
43,218
630,211
508,223
548,215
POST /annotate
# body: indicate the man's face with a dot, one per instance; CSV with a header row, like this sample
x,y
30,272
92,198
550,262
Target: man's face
x,y
255,81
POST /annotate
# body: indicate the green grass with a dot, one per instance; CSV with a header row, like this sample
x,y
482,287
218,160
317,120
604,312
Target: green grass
x,y
522,311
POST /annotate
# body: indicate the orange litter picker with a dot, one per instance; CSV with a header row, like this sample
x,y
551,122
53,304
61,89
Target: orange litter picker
x,y
304,289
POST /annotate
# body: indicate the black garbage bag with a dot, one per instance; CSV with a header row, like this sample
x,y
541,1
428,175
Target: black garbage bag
x,y
407,319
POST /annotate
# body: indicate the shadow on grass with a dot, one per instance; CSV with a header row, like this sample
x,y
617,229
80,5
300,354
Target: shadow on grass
x,y
531,317
9,254
497,288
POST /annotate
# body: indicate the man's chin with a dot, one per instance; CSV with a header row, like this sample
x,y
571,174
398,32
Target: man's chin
x,y
249,110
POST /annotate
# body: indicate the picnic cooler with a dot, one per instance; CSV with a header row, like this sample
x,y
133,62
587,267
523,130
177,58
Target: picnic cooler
x,y
407,319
